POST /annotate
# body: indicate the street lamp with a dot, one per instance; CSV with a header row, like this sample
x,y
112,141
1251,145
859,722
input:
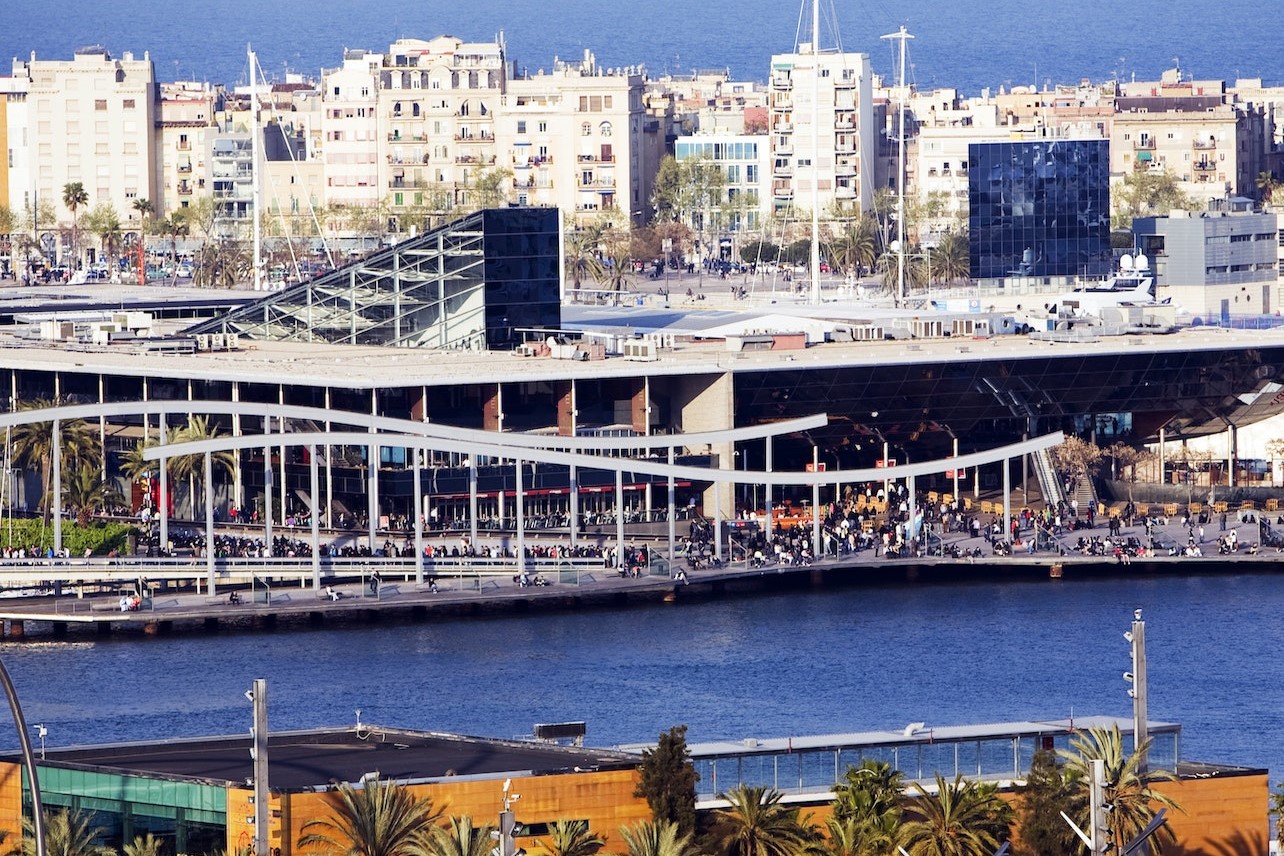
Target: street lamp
x,y
28,760
1137,692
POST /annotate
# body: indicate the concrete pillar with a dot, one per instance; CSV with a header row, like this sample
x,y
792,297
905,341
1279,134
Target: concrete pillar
x,y
619,515
573,503
316,517
565,392
673,511
519,514
492,407
1162,456
56,499
162,435
472,499
815,502
267,484
209,521
417,510
372,498
1007,497
768,525
1232,452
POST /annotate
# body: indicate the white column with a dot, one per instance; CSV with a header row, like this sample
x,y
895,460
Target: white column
x,y
56,499
329,471
209,521
267,485
1162,452
313,473
770,489
1232,440
911,485
472,498
956,474
519,515
619,514
815,502
163,496
673,512
573,503
372,491
417,510
1007,498
237,493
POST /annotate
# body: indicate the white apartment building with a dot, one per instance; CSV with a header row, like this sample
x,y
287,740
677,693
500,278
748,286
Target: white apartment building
x,y
822,134
17,179
745,161
350,130
91,120
576,139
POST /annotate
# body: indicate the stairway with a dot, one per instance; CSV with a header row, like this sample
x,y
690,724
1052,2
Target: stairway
x,y
1050,484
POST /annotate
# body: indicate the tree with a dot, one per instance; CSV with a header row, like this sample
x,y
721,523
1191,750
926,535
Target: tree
x,y
460,838
855,246
192,467
85,492
867,810
951,259
489,188
1076,457
33,446
1148,192
1267,184
74,196
656,838
1128,790
572,838
148,845
758,824
104,222
67,833
666,189
379,819
1126,459
962,818
1277,809
667,780
1045,795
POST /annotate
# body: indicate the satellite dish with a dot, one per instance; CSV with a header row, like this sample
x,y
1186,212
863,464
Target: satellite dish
x,y
1143,263
1125,262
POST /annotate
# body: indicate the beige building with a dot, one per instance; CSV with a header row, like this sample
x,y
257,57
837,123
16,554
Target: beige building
x,y
1191,128
91,120
575,138
185,117
822,134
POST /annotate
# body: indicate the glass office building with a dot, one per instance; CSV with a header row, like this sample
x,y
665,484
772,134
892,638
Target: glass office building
x,y
472,284
1039,208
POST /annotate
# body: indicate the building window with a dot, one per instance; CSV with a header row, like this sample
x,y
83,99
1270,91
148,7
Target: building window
x,y
586,129
100,104
543,127
129,104
521,126
605,129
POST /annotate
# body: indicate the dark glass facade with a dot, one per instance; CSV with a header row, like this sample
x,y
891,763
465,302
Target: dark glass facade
x,y
521,273
1039,208
470,284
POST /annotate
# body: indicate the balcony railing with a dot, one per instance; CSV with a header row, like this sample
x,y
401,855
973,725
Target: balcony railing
x,y
1147,144
1205,144
782,83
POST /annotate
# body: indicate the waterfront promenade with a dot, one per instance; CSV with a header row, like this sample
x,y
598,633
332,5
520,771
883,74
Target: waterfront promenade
x,y
85,595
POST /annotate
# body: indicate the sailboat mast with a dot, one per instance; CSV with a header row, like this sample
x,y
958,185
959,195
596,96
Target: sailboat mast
x,y
903,37
815,153
256,190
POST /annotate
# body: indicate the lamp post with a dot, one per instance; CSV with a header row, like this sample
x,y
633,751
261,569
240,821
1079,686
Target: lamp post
x,y
28,760
1137,677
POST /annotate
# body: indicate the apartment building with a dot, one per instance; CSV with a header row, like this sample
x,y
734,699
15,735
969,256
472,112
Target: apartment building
x,y
350,130
16,179
576,138
745,161
184,120
1191,128
91,120
822,134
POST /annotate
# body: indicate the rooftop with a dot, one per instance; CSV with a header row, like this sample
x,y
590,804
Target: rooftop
x,y
315,759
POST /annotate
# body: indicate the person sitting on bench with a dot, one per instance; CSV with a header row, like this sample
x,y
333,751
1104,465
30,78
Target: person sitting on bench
x,y
234,598
331,593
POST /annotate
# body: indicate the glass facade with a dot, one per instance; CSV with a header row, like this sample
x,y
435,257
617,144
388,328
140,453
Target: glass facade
x,y
1039,208
471,284
187,816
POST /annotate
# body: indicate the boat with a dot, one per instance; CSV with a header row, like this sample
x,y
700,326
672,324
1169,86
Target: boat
x,y
1132,285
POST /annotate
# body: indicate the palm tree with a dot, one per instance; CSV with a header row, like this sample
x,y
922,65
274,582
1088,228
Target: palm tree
x,y
757,824
33,446
656,838
460,838
378,819
174,226
148,845
856,245
1128,789
1267,184
192,467
963,818
74,196
950,259
86,491
867,810
67,833
582,261
572,838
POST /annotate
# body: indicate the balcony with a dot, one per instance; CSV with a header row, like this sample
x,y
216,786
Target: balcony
x,y
1206,166
783,83
844,125
783,103
184,189
474,159
783,169
1144,144
594,159
782,192
844,146
398,137
844,168
783,128
785,147
482,140
844,191
1205,144
184,168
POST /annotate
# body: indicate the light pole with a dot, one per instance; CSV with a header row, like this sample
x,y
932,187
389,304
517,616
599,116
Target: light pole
x,y
28,760
1137,677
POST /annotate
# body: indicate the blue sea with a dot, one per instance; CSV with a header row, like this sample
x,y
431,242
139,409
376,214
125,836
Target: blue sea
x,y
966,44
790,664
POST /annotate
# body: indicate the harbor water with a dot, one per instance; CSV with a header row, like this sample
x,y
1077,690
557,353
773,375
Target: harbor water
x,y
762,665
